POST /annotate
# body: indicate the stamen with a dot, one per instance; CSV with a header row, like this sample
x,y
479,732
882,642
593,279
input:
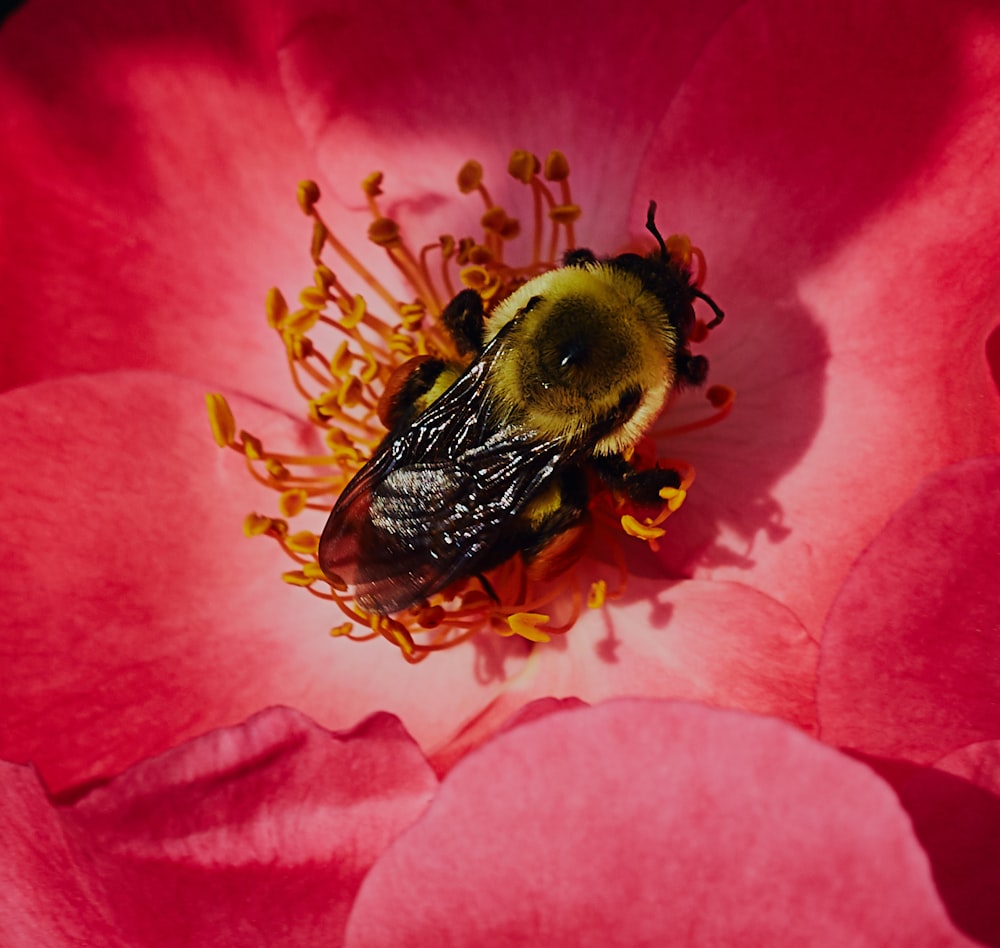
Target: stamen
x,y
220,416
344,343
527,625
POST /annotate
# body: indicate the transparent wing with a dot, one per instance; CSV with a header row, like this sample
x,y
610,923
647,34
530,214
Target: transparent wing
x,y
438,498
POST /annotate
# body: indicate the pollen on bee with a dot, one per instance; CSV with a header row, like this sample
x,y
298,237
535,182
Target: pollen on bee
x,y
347,339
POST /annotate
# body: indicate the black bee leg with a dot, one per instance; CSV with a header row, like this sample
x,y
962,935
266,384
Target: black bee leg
x,y
641,487
580,257
692,370
463,318
488,588
719,315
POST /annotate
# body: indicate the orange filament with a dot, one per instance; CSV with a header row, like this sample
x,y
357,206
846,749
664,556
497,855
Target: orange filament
x,y
341,356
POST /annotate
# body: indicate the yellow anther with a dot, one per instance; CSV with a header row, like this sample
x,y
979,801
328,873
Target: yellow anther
x,y
598,594
565,213
511,228
346,455
674,496
476,278
370,371
402,345
324,277
465,244
447,245
252,447
345,628
298,346
493,219
641,530
303,542
526,625
275,306
372,185
523,165
556,167
358,309
394,631
350,393
312,297
319,235
292,502
276,469
308,195
340,361
255,525
220,417
479,254
296,577
470,176
336,438
313,570
300,322
412,315
384,232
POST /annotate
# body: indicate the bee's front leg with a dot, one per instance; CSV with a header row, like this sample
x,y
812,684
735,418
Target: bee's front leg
x,y
642,487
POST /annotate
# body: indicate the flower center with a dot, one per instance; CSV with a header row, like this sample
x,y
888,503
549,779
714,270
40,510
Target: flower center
x,y
349,361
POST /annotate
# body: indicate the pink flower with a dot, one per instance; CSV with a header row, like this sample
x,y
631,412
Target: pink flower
x,y
625,824
838,165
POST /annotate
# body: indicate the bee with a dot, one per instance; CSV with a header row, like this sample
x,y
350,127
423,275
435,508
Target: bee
x,y
494,457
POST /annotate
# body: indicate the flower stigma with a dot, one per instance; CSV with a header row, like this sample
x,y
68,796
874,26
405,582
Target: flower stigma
x,y
348,344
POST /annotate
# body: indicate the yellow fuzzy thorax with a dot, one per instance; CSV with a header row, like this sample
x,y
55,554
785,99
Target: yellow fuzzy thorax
x,y
624,323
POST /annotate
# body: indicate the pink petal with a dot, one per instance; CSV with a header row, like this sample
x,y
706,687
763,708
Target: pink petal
x,y
840,166
137,614
648,823
718,643
149,167
909,665
955,811
418,91
259,834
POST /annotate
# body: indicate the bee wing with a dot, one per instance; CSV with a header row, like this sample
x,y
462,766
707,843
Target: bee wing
x,y
436,499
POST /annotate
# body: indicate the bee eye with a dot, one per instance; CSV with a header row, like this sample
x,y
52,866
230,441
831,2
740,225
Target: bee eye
x,y
571,353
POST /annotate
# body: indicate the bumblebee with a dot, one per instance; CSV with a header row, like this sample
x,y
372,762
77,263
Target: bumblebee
x,y
494,457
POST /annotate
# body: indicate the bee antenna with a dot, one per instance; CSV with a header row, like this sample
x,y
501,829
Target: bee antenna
x,y
651,227
719,315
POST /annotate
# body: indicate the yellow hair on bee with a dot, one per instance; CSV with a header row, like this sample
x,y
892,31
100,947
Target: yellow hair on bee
x,y
580,341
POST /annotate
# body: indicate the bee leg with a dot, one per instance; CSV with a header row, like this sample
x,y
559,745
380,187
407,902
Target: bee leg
x,y
463,317
692,370
488,588
580,257
641,487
